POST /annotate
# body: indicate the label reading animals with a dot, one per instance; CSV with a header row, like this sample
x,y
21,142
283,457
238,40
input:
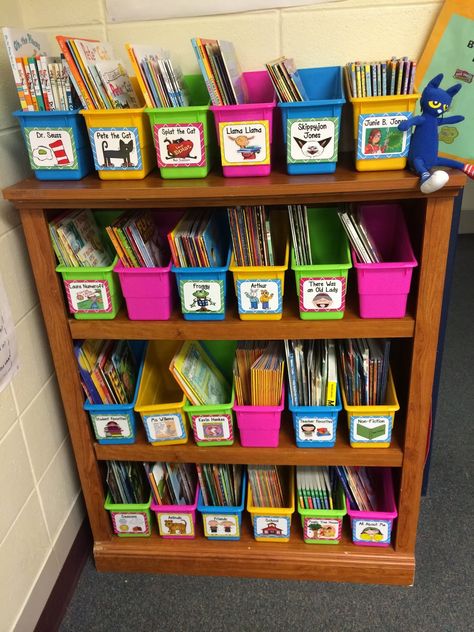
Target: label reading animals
x,y
51,148
180,145
202,297
116,149
312,140
323,295
175,525
245,143
379,136
88,296
262,296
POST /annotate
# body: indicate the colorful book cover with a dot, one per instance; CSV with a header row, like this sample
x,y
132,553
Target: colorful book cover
x,y
117,84
76,71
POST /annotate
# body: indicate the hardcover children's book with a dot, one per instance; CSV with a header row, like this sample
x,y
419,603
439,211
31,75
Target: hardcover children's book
x,y
117,84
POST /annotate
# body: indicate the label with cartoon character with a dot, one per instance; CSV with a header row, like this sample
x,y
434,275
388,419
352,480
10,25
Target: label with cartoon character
x,y
377,531
262,296
322,528
88,297
315,429
164,427
221,525
51,148
323,295
116,149
112,426
371,429
379,137
312,140
130,523
180,144
245,143
202,297
212,427
175,524
271,526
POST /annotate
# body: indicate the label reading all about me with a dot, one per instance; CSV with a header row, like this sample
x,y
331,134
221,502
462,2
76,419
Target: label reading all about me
x,y
371,429
379,138
112,426
164,427
116,149
323,295
262,296
88,296
212,427
202,296
51,148
371,530
245,143
180,145
312,140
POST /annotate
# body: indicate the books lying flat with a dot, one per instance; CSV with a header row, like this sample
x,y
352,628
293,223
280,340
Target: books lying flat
x,y
251,234
312,372
137,241
172,483
286,80
364,370
220,484
200,240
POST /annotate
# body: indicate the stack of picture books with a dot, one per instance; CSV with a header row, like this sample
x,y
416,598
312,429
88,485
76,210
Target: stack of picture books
x,y
316,487
251,235
312,372
137,240
220,484
359,236
200,239
107,370
127,483
258,373
77,240
286,80
220,70
298,215
364,364
266,484
171,483
381,78
359,487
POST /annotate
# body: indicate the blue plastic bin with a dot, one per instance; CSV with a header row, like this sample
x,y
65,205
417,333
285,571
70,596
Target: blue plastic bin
x,y
57,143
223,523
315,426
311,129
119,417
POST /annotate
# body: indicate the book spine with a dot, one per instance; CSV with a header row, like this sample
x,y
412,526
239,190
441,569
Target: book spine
x,y
46,83
36,82
82,90
22,88
138,74
66,83
29,81
123,240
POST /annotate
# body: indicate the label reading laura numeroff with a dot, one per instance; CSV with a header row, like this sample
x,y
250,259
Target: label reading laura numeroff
x,y
88,296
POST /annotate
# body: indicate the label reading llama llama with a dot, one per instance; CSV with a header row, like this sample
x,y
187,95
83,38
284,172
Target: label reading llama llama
x,y
245,143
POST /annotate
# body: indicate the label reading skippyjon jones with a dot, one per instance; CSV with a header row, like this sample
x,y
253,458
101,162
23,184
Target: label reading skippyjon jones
x,y
379,138
271,526
312,140
116,149
180,144
112,426
212,427
201,296
130,523
164,427
261,296
51,148
371,530
315,429
245,144
323,295
371,429
221,525
322,528
88,297
178,524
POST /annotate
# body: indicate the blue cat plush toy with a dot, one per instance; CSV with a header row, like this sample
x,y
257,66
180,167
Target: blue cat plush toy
x,y
423,152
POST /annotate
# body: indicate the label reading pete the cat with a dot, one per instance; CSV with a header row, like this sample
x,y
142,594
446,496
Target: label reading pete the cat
x,y
88,296
116,149
245,143
378,136
180,145
323,295
51,148
312,140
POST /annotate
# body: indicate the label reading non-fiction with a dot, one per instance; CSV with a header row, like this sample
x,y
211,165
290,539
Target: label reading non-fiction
x,y
131,523
245,143
315,429
116,149
164,427
323,295
180,145
201,297
262,296
221,525
112,426
51,148
312,140
371,531
322,529
212,427
379,137
175,525
271,527
88,297
371,429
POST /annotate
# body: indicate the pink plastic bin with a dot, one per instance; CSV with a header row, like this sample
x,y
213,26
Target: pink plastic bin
x,y
384,287
148,292
252,124
259,426
177,522
374,528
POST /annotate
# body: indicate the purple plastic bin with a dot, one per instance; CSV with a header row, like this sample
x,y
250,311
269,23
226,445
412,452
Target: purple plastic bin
x,y
246,146
259,426
148,292
177,522
384,287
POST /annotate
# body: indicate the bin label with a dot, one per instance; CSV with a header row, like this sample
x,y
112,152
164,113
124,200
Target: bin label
x,y
312,139
261,296
116,149
201,297
371,429
271,526
323,295
212,427
164,427
221,525
131,523
371,531
379,138
322,528
315,429
179,524
180,144
51,148
88,297
245,143
112,426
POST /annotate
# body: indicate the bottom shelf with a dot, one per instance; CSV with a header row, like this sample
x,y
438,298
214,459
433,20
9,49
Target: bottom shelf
x,y
343,562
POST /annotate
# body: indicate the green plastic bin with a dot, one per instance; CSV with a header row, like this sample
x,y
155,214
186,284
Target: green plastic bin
x,y
324,526
129,520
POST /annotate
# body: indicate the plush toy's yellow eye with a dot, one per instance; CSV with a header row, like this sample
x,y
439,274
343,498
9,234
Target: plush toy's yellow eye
x,y
445,107
434,104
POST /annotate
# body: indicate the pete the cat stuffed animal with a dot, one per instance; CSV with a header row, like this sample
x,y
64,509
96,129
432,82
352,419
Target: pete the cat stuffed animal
x,y
423,152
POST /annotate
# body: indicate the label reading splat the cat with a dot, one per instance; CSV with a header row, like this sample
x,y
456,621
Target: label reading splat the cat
x,y
323,295
116,149
259,296
51,148
245,143
312,140
88,297
379,137
180,145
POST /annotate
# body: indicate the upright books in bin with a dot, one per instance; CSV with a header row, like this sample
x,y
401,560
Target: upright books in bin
x,y
199,240
266,483
359,237
220,484
171,483
286,80
137,240
312,372
364,366
258,373
359,487
251,234
126,482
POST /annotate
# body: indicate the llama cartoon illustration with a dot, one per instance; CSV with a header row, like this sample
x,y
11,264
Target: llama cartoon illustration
x,y
248,152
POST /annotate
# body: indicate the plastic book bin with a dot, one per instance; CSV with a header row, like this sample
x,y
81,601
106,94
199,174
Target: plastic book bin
x,y
184,136
371,426
115,423
160,401
259,426
383,114
384,287
273,524
244,132
324,526
315,426
223,523
322,286
311,129
374,528
129,520
177,522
